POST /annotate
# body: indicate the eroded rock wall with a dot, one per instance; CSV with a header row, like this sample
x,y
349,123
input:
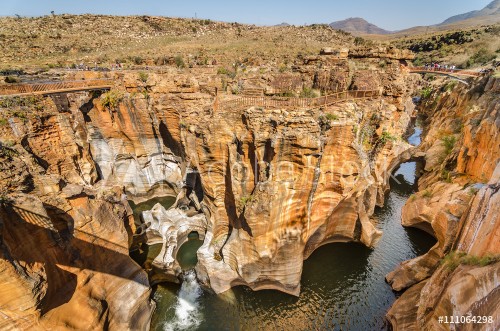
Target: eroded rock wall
x,y
276,184
64,238
457,202
279,185
61,268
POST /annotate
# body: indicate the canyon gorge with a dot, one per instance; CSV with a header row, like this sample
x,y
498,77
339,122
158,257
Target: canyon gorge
x,y
262,180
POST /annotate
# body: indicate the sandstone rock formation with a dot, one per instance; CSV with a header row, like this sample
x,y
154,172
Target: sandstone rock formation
x,y
271,185
279,184
62,269
458,203
171,228
64,242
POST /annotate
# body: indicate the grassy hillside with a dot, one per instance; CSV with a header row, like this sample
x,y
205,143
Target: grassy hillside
x,y
61,40
467,48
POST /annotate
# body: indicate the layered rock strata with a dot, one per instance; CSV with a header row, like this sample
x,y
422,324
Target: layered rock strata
x,y
62,269
279,184
271,186
458,203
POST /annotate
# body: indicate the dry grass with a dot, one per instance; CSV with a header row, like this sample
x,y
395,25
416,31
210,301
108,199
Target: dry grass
x,y
61,40
470,47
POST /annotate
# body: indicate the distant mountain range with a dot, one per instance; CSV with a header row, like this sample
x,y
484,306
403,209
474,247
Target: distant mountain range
x,y
488,15
357,25
492,9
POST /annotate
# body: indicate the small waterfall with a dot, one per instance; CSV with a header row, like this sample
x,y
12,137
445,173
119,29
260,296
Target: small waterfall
x,y
187,309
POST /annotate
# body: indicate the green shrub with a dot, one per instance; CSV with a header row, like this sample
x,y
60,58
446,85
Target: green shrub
x,y
427,194
179,62
449,143
4,199
3,121
6,149
366,134
386,136
453,259
308,92
222,71
19,114
331,117
482,56
246,199
143,77
136,60
225,71
418,61
450,86
11,79
235,90
446,175
27,101
288,94
426,92
472,191
359,41
111,99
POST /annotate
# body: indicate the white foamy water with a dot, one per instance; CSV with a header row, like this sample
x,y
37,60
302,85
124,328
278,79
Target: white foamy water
x,y
187,308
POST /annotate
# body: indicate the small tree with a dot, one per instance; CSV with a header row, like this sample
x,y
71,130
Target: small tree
x,y
308,92
426,92
143,77
179,62
111,99
359,41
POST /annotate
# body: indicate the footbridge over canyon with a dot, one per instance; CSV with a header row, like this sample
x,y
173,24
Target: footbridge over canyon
x,y
445,71
55,87
293,102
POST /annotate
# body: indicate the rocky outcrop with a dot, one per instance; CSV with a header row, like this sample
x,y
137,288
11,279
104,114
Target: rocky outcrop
x,y
129,152
457,202
382,52
480,233
171,228
273,185
466,291
62,269
437,211
279,184
64,233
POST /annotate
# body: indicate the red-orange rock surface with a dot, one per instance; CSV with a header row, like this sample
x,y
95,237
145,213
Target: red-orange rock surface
x,y
458,202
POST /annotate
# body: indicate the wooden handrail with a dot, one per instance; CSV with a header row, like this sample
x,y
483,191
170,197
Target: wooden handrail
x,y
40,88
446,70
287,102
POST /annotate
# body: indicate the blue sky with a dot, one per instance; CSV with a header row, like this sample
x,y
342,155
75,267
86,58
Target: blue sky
x,y
388,14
